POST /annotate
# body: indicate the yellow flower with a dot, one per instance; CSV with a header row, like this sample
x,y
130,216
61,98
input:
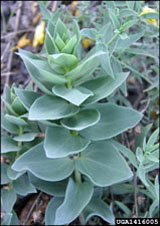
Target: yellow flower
x,y
146,10
73,8
23,41
39,34
87,42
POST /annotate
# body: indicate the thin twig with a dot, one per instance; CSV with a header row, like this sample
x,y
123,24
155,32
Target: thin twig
x,y
17,32
135,206
54,5
32,208
5,50
145,108
9,73
9,66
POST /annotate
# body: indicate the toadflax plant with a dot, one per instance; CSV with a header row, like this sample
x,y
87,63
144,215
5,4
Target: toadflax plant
x,y
65,138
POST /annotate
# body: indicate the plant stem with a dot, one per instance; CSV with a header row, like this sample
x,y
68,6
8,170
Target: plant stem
x,y
81,219
19,142
69,83
112,39
78,176
74,132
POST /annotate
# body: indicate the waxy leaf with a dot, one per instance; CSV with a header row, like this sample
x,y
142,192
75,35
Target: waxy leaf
x,y
114,120
15,120
51,108
9,145
65,145
61,29
8,126
69,47
26,97
42,167
85,67
75,95
51,188
25,137
103,164
22,186
51,209
8,199
104,86
82,120
98,207
4,178
76,198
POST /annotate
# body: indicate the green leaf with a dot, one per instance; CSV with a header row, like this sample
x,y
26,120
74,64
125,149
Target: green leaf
x,y
85,67
22,186
51,108
59,142
62,62
81,192
61,29
9,145
82,120
51,188
124,44
114,120
75,95
128,24
51,209
18,107
89,33
127,12
97,207
105,59
157,188
103,164
114,19
6,125
139,51
45,12
7,219
59,42
69,47
153,138
26,97
49,43
14,175
44,168
25,137
8,199
123,207
14,220
4,177
15,120
40,70
104,86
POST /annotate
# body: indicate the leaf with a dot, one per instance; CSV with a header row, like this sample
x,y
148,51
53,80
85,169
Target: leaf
x,y
14,220
75,95
26,97
45,12
59,142
153,138
7,219
105,59
89,33
39,69
61,29
69,47
81,192
126,152
15,120
26,137
123,207
6,125
114,19
44,168
4,177
51,209
114,120
157,188
104,86
8,199
51,108
97,207
82,120
56,189
128,24
14,175
124,44
8,145
85,67
62,62
103,164
49,43
22,186
139,51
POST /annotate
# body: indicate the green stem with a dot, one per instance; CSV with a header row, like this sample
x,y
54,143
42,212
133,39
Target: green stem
x,y
112,39
69,83
78,176
19,142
